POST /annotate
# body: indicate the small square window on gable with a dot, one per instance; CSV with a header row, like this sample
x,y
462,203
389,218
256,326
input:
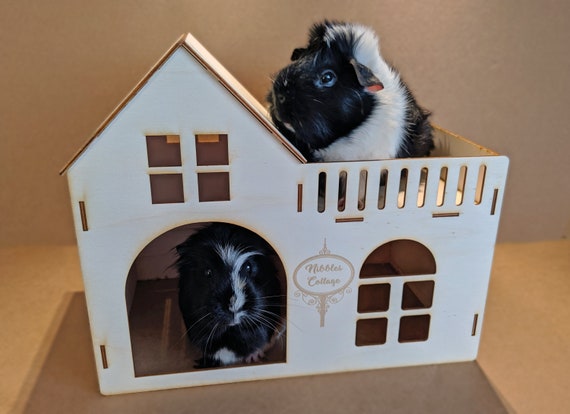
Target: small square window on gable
x,y
212,149
166,188
163,151
214,186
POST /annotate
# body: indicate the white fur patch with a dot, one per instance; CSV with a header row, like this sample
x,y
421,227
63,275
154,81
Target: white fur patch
x,y
226,357
235,258
381,135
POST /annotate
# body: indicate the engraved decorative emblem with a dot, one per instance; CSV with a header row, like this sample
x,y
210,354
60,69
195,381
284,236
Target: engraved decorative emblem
x,y
323,280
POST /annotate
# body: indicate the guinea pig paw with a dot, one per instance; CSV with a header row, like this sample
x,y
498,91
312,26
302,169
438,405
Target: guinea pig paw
x,y
256,356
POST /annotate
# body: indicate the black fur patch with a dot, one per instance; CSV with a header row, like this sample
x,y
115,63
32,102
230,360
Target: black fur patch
x,y
205,291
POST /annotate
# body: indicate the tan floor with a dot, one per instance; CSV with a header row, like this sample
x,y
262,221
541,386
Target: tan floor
x,y
526,333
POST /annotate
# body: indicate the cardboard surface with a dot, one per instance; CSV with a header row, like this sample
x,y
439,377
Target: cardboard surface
x,y
67,383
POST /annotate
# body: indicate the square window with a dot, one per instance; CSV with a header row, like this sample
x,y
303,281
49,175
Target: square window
x,y
214,186
163,151
374,298
166,188
212,149
418,295
414,328
371,331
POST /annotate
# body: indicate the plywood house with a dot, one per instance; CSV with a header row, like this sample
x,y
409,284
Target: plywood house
x,y
389,269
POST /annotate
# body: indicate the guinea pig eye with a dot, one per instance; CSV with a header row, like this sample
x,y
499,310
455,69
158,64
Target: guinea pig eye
x,y
327,78
208,272
248,268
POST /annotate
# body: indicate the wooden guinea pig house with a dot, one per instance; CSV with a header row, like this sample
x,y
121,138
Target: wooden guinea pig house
x,y
389,269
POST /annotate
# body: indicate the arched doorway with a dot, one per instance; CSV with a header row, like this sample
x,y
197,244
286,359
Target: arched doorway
x,y
157,331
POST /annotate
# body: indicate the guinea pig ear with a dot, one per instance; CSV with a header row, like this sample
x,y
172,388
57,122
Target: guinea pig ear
x,y
366,78
297,53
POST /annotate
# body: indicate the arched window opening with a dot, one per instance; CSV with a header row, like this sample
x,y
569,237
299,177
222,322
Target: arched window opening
x,y
399,258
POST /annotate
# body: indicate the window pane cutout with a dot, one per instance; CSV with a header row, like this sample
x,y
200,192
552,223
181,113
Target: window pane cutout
x,y
214,186
414,328
166,188
212,149
163,151
418,295
374,298
371,331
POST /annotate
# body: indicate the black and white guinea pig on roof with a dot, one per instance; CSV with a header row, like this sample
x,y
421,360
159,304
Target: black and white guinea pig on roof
x,y
339,100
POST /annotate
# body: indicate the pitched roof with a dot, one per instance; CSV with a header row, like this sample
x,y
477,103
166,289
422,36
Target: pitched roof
x,y
216,69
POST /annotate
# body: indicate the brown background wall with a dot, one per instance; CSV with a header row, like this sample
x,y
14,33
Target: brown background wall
x,y
495,72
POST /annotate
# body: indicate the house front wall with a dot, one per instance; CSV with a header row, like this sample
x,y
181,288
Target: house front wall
x,y
462,246
275,196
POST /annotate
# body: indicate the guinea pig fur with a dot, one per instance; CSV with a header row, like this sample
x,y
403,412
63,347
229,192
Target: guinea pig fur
x,y
229,294
339,100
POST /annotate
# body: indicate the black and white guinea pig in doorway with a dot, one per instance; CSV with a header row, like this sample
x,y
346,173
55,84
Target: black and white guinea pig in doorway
x,y
229,294
338,100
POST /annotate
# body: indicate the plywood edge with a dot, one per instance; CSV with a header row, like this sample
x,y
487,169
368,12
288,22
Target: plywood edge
x,y
480,148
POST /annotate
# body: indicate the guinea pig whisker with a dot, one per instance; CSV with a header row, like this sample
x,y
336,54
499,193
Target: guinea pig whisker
x,y
281,295
210,337
252,323
265,321
285,322
267,313
195,323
